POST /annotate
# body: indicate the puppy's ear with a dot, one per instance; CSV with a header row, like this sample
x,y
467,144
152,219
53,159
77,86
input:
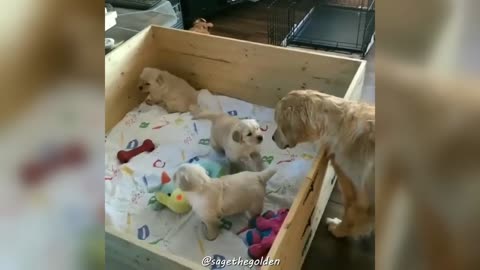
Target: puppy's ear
x,y
237,136
159,79
183,180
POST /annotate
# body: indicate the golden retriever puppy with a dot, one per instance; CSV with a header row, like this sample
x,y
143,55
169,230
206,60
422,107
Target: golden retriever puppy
x,y
239,139
167,90
346,130
201,26
212,199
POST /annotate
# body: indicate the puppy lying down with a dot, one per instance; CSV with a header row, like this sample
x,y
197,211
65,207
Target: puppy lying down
x,y
167,90
214,198
239,139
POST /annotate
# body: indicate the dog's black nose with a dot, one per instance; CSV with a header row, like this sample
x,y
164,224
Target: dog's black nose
x,y
260,138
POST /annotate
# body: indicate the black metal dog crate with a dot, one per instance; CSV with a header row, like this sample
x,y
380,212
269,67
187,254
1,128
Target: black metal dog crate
x,y
336,25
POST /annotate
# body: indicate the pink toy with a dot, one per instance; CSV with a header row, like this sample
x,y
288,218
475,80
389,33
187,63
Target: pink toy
x,y
270,222
263,231
257,251
125,156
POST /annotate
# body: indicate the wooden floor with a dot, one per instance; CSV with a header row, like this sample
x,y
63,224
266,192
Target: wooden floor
x,y
246,21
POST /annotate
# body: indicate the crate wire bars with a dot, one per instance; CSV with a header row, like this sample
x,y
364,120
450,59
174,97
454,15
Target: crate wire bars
x,y
332,25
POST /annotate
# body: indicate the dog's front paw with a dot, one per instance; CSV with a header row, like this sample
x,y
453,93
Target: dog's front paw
x,y
335,230
211,232
332,227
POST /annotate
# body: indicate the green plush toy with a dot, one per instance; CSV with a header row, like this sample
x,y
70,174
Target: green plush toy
x,y
215,169
175,201
166,194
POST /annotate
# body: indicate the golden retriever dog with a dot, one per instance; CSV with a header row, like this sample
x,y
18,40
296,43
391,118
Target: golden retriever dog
x,y
212,199
201,26
238,139
346,130
167,90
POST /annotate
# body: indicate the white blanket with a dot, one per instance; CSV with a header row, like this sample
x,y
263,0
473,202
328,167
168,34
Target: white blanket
x,y
178,138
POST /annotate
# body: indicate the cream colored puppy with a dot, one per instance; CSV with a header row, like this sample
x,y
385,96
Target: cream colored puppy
x,y
167,90
347,131
212,199
239,139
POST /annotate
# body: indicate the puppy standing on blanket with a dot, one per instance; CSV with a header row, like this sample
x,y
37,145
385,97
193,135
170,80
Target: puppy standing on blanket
x,y
213,199
167,90
239,139
347,131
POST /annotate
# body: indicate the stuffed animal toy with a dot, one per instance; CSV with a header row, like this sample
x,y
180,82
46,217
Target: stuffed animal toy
x,y
201,25
263,231
214,168
166,194
175,201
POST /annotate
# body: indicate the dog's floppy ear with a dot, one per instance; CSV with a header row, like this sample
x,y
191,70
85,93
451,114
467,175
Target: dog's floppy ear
x,y
183,181
237,136
159,79
283,117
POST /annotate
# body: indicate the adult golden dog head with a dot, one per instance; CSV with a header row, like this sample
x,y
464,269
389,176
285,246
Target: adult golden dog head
x,y
298,119
308,115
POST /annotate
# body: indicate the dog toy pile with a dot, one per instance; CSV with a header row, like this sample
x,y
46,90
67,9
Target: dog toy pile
x,y
262,232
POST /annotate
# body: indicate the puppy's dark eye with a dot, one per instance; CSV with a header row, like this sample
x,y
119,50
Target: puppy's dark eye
x,y
249,134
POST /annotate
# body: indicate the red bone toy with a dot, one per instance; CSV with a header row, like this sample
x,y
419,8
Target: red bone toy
x,y
55,159
125,156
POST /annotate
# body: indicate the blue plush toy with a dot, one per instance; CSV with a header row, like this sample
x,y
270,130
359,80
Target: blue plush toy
x,y
214,168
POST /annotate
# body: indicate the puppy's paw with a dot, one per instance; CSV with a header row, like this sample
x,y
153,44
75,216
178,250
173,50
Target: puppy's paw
x,y
211,232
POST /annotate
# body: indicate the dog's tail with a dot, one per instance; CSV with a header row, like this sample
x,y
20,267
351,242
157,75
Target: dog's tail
x,y
266,174
198,113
